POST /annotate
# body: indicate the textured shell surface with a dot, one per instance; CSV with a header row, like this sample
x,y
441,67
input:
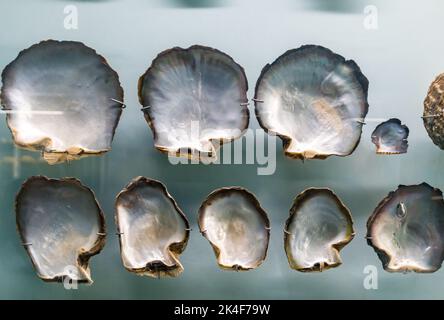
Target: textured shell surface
x,y
315,100
433,116
318,227
153,230
407,229
61,226
61,98
236,226
390,137
194,99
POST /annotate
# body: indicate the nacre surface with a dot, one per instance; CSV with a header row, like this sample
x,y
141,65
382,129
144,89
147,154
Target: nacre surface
x,y
63,99
194,99
319,226
390,137
153,230
236,226
407,229
61,225
314,100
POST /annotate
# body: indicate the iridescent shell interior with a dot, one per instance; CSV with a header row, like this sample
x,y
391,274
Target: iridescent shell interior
x,y
407,229
319,226
237,228
390,137
194,99
62,98
315,100
153,230
61,226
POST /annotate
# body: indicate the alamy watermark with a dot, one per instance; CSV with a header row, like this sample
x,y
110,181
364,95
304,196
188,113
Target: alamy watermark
x,y
371,17
69,280
71,21
371,279
253,147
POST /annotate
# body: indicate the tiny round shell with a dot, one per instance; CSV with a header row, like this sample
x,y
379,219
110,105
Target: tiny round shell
x,y
324,255
194,99
55,237
235,252
63,99
433,115
390,137
314,100
137,245
406,229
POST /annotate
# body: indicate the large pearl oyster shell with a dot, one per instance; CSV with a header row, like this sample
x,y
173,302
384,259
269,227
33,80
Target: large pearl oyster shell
x,y
315,100
193,100
62,98
434,111
407,229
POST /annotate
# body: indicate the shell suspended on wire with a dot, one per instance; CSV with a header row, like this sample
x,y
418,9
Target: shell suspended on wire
x,y
407,229
61,225
153,230
315,100
236,226
194,100
433,116
63,99
390,137
319,226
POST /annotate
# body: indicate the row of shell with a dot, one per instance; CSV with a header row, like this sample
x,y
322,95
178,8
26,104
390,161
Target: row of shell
x,y
62,225
63,99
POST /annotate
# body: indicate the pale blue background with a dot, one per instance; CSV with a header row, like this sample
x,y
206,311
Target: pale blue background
x,y
400,59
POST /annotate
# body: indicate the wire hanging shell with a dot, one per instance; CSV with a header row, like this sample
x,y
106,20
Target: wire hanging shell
x,y
314,100
63,99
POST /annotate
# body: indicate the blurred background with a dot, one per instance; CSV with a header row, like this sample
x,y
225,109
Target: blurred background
x,y
400,58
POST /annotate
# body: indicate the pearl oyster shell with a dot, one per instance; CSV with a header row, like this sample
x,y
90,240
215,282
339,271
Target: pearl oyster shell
x,y
407,229
153,230
62,98
390,137
236,226
61,225
319,226
193,100
434,111
313,99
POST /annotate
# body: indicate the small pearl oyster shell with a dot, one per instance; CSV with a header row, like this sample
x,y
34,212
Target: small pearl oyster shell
x,y
319,226
61,226
153,230
390,137
236,226
407,229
